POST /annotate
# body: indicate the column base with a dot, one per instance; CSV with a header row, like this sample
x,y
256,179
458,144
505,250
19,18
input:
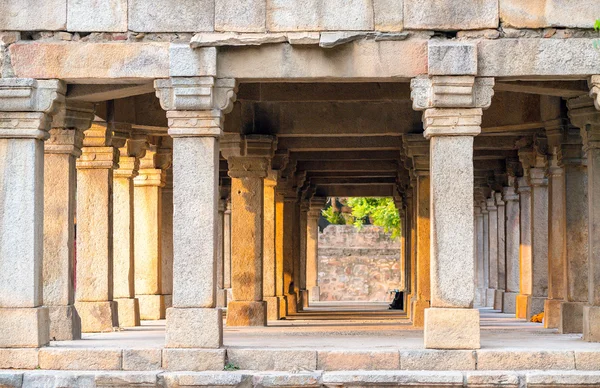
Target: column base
x,y
523,304
194,328
509,302
168,302
129,312
490,297
272,307
418,312
221,298
499,300
479,297
303,299
314,294
152,307
552,313
292,304
537,305
246,313
591,323
451,328
571,318
97,317
24,327
282,306
65,323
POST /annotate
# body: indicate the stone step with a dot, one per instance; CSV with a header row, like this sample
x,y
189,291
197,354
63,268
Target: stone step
x,y
247,379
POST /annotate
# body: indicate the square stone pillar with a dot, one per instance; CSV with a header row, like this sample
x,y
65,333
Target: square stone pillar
x,y
195,109
60,152
166,245
302,221
227,248
148,230
539,233
513,233
452,117
249,159
94,295
501,228
493,251
221,291
587,119
486,252
269,247
312,247
26,109
123,232
288,219
525,257
479,274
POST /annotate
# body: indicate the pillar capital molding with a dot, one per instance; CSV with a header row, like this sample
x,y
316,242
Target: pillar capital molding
x,y
491,203
31,95
538,177
207,123
196,93
583,112
499,200
451,92
71,114
523,186
452,122
98,158
416,148
248,156
64,141
129,157
509,193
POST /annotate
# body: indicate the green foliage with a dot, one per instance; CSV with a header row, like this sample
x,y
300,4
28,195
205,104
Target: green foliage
x,y
231,367
379,211
597,28
333,217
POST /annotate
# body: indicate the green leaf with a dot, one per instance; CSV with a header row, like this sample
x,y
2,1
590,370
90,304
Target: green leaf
x,y
597,25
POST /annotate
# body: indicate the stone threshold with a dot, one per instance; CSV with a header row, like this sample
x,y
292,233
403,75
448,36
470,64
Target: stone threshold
x,y
92,379
273,359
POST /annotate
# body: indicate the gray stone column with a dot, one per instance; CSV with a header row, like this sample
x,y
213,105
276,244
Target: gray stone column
x,y
498,300
249,159
123,233
26,109
195,109
525,257
60,152
227,249
493,251
513,236
166,245
312,247
148,232
302,229
269,248
221,292
479,272
589,121
94,296
486,252
539,241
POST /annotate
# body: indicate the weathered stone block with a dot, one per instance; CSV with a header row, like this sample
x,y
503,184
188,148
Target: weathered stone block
x,y
171,15
33,15
548,13
128,311
388,15
58,379
551,379
95,60
273,359
142,359
552,313
393,378
240,16
522,360
448,328
80,359
65,323
97,15
206,379
10,379
358,360
18,359
287,379
509,303
437,360
193,359
481,379
452,58
317,15
591,323
97,317
188,62
587,360
272,308
206,324
450,15
243,313
523,306
498,300
152,307
126,379
24,327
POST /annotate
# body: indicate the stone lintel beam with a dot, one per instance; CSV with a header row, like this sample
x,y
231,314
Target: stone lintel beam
x,y
352,174
345,155
357,191
416,148
366,143
358,166
480,155
329,181
99,93
564,89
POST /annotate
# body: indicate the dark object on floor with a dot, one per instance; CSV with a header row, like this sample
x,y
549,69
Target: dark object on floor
x,y
398,302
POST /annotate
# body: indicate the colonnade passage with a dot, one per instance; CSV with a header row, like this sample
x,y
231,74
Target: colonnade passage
x,y
206,194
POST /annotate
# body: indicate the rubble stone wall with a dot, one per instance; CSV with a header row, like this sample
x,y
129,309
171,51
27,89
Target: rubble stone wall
x,y
357,265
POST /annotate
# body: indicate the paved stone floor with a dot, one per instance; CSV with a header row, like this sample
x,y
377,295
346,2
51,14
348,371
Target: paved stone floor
x,y
350,327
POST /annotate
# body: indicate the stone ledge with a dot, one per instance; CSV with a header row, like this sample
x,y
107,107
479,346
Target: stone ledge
x,y
80,359
273,359
336,360
523,360
437,360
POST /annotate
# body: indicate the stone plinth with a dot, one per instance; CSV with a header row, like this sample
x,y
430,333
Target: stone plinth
x,y
269,248
451,328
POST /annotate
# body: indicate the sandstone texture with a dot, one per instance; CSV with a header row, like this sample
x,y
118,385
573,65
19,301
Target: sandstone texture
x,y
447,328
18,359
24,327
437,360
142,359
267,359
193,359
357,360
80,359
450,15
31,15
548,13
295,15
206,324
171,15
248,16
94,15
523,360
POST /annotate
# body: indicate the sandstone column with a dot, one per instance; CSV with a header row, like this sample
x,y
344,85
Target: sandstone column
x,y
312,247
148,230
539,241
557,224
279,254
285,242
479,273
26,109
411,250
589,122
498,300
576,182
221,292
123,232
302,229
486,252
100,155
511,198
453,110
417,148
249,159
269,248
195,109
525,257
60,152
227,249
167,237
493,251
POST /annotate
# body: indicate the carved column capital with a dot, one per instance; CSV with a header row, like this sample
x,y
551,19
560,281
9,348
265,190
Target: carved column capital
x,y
196,93
451,92
98,150
416,148
509,193
452,122
248,156
153,168
594,83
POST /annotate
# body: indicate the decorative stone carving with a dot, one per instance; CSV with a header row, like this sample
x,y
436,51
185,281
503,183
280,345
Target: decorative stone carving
x,y
31,95
248,156
98,151
196,93
452,122
594,83
451,92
